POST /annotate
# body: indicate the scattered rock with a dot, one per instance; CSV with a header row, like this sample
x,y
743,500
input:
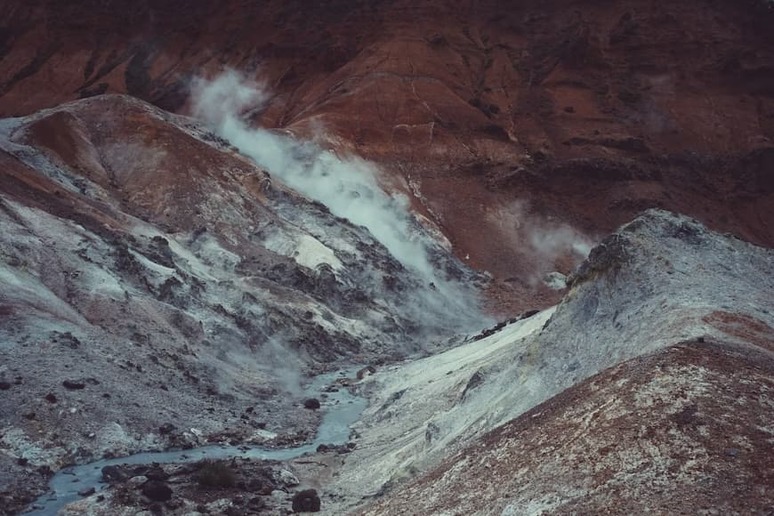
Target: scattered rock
x,y
73,385
312,404
157,491
4,386
340,449
306,501
87,491
50,397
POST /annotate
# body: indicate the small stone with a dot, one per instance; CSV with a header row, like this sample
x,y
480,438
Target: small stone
x,y
88,491
157,491
73,385
312,404
50,397
137,481
306,501
4,386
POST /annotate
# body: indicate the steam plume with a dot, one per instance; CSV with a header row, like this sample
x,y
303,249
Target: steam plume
x,y
348,186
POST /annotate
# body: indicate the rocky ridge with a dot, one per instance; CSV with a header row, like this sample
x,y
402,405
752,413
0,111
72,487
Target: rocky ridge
x,y
628,394
161,290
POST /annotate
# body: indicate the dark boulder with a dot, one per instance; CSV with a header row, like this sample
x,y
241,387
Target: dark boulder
x,y
155,472
113,474
157,491
306,501
73,385
312,404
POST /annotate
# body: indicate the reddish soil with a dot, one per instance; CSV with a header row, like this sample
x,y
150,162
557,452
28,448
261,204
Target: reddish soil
x,y
502,117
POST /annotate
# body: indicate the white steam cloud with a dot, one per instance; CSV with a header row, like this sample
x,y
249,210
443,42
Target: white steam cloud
x,y
545,244
348,186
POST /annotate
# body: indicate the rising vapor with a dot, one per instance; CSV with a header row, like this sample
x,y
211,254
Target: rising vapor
x,y
347,186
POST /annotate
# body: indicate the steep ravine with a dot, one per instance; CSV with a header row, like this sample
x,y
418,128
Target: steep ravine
x,y
577,407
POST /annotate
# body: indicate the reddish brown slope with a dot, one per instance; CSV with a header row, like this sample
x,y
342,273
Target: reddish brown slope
x,y
583,112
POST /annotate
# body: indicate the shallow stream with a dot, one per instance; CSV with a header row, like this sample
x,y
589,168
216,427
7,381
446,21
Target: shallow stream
x,y
341,408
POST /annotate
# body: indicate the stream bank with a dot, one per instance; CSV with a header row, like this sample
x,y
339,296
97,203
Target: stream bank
x,y
210,479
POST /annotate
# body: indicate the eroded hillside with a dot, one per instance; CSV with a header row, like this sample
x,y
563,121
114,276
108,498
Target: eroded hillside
x,y
563,113
203,204
160,290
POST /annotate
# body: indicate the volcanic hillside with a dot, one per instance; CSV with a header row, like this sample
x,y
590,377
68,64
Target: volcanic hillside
x,y
203,204
489,113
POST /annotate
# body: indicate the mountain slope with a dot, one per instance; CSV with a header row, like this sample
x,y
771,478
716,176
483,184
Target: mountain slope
x,y
161,290
660,281
687,429
572,113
